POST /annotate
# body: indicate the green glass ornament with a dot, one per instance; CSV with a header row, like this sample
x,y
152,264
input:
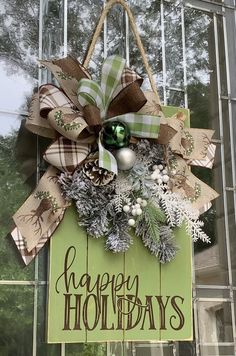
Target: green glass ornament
x,y
115,134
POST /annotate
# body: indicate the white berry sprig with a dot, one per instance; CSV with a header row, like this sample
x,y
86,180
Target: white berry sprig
x,y
135,210
160,174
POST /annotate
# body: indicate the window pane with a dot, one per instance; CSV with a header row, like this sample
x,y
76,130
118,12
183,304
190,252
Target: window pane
x,y
17,165
53,21
148,19
211,262
80,31
16,320
219,350
86,349
18,55
214,322
173,45
44,349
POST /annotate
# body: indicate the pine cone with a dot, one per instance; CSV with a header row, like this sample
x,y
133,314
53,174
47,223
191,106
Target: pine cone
x,y
98,175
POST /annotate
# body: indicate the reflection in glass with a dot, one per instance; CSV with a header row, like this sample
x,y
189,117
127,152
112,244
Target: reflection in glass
x,y
217,292
151,349
44,349
198,41
116,31
175,98
214,322
18,55
16,320
219,350
53,45
211,263
173,46
89,349
80,31
148,21
13,192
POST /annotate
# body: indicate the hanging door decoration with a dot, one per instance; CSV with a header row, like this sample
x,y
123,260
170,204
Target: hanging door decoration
x,y
118,202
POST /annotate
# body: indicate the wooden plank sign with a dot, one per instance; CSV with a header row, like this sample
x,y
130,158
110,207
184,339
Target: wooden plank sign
x,y
97,296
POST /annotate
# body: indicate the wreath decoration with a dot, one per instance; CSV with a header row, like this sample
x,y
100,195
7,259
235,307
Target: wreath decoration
x,y
118,158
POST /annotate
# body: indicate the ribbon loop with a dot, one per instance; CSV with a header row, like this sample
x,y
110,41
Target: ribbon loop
x,y
128,77
48,98
90,93
106,158
70,66
66,155
111,75
69,123
35,123
51,97
67,81
92,116
129,99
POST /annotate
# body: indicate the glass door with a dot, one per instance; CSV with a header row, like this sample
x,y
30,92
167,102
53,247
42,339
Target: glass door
x,y
191,48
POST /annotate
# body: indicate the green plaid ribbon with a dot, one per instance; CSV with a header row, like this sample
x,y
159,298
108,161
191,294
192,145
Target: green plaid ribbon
x,y
146,126
89,92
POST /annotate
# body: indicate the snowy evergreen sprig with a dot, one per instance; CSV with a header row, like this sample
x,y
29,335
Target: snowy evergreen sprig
x,y
167,249
180,211
134,199
118,238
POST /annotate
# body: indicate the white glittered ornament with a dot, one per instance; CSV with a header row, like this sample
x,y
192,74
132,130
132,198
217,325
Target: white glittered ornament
x,y
125,158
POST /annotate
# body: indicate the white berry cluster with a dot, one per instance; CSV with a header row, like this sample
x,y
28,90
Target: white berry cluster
x,y
160,174
135,210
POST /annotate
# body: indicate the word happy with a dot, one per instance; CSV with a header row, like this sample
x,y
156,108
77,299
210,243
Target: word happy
x,y
113,302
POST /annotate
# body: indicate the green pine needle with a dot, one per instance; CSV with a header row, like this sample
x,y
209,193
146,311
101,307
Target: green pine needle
x,y
157,212
154,217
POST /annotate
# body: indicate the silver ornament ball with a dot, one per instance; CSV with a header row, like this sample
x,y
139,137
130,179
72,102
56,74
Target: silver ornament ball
x,y
125,158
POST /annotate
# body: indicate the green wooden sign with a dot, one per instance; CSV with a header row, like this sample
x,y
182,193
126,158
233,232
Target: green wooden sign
x,y
97,296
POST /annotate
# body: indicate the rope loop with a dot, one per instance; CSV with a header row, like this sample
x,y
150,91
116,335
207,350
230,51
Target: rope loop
x,y
133,25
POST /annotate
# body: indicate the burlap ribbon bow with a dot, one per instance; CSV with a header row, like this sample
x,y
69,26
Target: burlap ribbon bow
x,y
73,116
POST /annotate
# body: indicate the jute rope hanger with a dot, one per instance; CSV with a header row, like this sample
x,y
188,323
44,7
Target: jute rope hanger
x,y
133,25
